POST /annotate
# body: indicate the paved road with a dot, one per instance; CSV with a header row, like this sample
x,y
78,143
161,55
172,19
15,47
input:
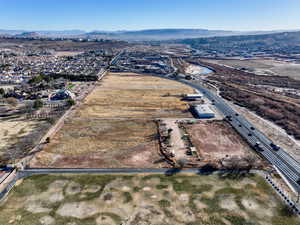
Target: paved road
x,y
280,159
286,164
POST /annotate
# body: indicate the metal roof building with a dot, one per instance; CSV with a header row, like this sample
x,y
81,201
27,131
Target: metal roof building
x,y
193,96
204,111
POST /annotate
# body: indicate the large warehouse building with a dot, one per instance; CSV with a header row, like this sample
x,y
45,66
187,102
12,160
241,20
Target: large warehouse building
x,y
204,112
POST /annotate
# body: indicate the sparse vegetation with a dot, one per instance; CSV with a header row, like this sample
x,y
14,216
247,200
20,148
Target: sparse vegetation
x,y
194,199
12,101
37,104
70,102
2,91
125,142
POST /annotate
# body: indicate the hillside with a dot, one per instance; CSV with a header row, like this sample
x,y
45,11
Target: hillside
x,y
160,34
280,43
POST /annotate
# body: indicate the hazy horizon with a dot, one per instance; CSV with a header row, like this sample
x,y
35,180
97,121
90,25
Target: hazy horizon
x,y
90,15
124,30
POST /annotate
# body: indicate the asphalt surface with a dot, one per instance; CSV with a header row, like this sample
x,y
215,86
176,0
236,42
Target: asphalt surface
x,y
285,163
288,166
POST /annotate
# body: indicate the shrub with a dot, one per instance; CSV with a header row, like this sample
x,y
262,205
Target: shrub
x,y
2,91
70,102
12,101
38,104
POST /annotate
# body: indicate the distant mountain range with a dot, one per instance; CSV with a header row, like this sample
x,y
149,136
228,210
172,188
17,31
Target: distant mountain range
x,y
282,43
159,34
50,33
138,35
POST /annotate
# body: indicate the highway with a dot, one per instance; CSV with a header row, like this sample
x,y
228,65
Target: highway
x,y
280,159
288,166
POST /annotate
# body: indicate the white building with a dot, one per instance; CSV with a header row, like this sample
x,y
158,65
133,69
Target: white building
x,y
191,97
204,111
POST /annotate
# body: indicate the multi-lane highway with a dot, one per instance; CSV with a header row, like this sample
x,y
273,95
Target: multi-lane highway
x,y
280,159
288,166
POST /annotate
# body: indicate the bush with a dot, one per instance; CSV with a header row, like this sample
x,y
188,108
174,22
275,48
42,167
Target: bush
x,y
50,120
48,140
2,91
127,197
70,102
38,104
12,101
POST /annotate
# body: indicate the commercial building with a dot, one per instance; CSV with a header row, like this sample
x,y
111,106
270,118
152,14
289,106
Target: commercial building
x,y
203,111
193,97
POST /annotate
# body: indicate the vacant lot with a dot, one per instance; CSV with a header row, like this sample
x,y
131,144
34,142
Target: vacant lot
x,y
101,143
264,66
114,127
139,200
18,134
216,140
130,95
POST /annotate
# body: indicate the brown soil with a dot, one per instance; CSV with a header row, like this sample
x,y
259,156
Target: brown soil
x,y
129,95
114,127
216,139
101,143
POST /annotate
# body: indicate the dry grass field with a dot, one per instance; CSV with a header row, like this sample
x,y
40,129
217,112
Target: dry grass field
x,y
145,199
114,126
94,143
130,95
18,134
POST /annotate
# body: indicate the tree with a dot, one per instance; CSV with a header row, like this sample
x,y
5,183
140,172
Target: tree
x,y
38,104
2,91
48,140
70,102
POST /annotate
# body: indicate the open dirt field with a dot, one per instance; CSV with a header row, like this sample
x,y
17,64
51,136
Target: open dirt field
x,y
114,126
264,66
141,200
101,143
129,95
18,134
216,140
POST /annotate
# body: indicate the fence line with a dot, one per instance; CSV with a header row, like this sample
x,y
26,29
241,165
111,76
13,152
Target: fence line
x,y
293,205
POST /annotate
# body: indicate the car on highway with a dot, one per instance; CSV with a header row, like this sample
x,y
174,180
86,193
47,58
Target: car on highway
x,y
274,147
258,146
229,118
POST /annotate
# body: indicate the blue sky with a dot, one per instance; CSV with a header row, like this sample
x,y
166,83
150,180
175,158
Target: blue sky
x,y
145,14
